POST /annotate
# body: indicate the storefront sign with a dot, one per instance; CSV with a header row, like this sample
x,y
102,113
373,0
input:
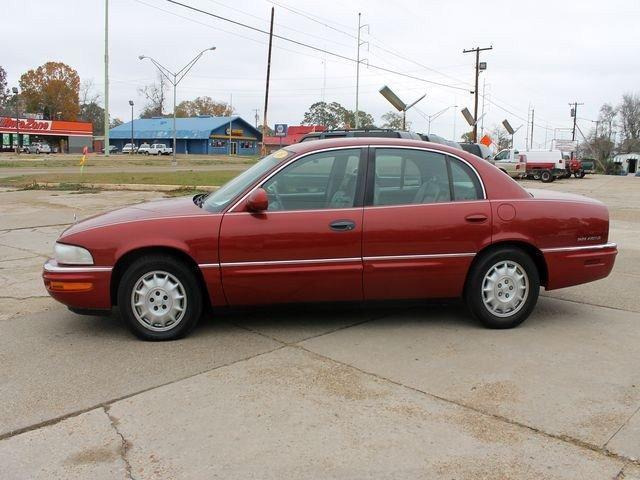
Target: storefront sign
x,y
30,124
281,129
236,131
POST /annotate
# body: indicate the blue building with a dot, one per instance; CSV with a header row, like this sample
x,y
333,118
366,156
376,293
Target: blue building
x,y
196,135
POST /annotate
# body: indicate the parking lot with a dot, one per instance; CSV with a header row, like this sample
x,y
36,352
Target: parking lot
x,y
377,392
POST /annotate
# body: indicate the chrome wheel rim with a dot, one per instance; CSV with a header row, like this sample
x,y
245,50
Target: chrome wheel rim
x,y
158,301
505,288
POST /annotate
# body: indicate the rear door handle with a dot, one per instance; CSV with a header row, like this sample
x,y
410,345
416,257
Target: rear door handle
x,y
342,225
476,218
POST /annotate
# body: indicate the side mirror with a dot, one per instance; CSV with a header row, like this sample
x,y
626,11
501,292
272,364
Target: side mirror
x,y
258,200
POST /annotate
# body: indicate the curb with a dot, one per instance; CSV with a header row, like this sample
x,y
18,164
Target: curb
x,y
141,187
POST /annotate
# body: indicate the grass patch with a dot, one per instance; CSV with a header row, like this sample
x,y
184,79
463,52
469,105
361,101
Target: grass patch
x,y
187,178
72,160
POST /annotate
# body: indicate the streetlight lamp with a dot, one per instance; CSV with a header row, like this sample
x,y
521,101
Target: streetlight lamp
x,y
436,115
131,103
394,100
175,78
15,99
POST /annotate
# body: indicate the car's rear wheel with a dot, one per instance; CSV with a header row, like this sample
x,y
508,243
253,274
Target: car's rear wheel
x,y
502,288
159,298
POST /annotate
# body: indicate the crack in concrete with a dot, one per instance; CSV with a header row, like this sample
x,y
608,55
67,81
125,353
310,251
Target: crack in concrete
x,y
7,230
580,302
31,297
621,427
55,420
125,444
563,438
36,254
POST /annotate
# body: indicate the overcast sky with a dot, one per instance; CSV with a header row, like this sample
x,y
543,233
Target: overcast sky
x,y
546,53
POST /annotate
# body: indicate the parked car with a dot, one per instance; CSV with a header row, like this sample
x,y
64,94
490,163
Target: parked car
x,y
479,150
143,149
361,132
588,165
37,147
129,148
350,219
513,165
541,164
160,149
112,149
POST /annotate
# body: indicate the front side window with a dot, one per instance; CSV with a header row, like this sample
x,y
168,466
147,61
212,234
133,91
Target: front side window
x,y
503,155
317,181
404,177
218,200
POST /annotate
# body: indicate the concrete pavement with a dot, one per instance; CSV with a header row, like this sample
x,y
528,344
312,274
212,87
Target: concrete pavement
x,y
403,392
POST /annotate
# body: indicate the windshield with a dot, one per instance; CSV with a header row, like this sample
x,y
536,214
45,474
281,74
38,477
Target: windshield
x,y
218,200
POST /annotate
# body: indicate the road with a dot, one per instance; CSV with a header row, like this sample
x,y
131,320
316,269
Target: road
x,y
415,391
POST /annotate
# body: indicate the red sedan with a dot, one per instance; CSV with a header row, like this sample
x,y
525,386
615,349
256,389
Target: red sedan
x,y
353,219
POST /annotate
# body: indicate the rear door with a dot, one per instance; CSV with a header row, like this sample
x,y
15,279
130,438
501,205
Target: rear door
x,y
425,217
307,246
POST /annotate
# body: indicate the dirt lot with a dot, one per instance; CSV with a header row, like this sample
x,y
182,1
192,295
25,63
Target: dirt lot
x,y
402,392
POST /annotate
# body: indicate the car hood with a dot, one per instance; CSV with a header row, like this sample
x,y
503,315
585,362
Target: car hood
x,y
541,194
169,208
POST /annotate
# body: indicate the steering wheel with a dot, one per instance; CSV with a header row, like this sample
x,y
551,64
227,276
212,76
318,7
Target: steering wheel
x,y
273,190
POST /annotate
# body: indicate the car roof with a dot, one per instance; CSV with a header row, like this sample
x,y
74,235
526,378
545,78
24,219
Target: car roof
x,y
327,143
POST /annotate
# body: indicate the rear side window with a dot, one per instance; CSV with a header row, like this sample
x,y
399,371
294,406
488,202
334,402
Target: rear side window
x,y
465,183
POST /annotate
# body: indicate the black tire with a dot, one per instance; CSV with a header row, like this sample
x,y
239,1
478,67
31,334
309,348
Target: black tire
x,y
190,287
475,283
582,173
546,176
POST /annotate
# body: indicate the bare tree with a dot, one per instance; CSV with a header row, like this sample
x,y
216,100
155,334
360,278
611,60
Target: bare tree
x,y
629,113
155,94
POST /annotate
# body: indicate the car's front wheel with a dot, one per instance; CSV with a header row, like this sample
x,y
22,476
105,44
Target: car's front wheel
x,y
159,298
502,288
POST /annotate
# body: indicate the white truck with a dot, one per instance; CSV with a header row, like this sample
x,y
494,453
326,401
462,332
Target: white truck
x,y
160,149
540,164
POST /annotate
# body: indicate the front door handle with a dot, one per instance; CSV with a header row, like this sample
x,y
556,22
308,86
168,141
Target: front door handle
x,y
342,225
476,218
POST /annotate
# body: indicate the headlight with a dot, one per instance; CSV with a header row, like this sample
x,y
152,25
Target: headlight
x,y
72,255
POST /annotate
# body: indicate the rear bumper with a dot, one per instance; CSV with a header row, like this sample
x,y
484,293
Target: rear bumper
x,y
78,287
575,265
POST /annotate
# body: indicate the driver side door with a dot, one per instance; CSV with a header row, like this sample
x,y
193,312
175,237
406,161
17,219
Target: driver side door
x,y
307,246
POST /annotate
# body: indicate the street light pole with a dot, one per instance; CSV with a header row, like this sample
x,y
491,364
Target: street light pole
x,y
175,79
131,103
16,99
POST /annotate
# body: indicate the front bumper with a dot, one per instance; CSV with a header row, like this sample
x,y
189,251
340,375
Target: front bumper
x,y
575,265
79,287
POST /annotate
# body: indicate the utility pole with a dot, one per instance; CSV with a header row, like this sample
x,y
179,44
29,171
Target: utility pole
x,y
106,78
574,114
477,50
266,91
360,27
531,137
256,116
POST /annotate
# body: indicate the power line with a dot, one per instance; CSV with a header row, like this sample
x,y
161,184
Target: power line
x,y
312,47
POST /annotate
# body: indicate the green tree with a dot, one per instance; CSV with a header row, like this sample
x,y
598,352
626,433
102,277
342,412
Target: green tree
x,y
115,122
268,131
331,115
53,89
90,109
467,137
393,120
365,119
203,106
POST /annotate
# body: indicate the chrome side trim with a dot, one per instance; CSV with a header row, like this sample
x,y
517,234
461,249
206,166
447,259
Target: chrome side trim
x,y
418,257
48,267
341,259
209,265
292,262
581,247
